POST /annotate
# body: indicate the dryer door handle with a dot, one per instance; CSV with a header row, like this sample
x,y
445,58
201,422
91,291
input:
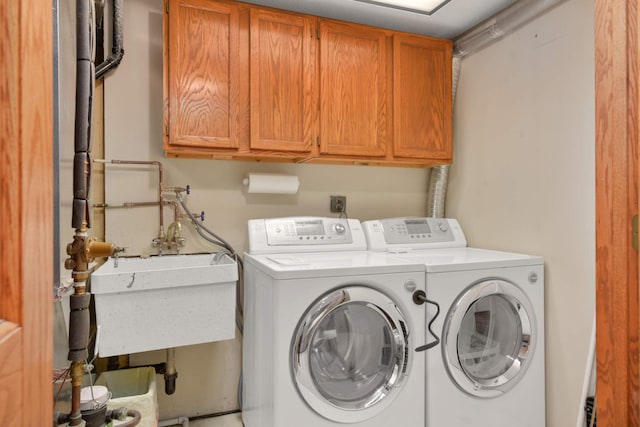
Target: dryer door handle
x,y
322,309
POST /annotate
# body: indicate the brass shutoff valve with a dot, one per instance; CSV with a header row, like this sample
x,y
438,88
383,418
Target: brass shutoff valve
x,y
84,250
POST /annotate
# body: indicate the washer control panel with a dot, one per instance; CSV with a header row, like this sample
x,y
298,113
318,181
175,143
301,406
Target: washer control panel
x,y
407,233
314,231
305,234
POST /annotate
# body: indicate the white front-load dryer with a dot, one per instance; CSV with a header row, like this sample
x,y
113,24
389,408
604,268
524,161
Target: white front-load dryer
x,y
329,335
485,357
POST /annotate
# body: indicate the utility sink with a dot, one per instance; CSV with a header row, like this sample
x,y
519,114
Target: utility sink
x,y
145,304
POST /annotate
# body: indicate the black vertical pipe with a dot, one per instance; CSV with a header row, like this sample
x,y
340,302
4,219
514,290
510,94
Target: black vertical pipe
x,y
83,115
79,336
117,50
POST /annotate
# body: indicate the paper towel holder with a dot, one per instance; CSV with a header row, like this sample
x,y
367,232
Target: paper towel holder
x,y
269,183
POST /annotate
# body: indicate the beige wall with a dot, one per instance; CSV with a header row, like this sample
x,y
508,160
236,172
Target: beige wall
x,y
523,181
208,374
523,178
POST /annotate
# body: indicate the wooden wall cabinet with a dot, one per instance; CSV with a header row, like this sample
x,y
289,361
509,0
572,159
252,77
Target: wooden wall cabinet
x,y
422,98
353,107
203,75
283,81
253,83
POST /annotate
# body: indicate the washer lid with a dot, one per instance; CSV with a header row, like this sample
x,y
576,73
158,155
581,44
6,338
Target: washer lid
x,y
350,354
462,259
326,264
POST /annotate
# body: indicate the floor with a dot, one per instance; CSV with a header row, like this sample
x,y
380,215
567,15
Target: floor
x,y
233,420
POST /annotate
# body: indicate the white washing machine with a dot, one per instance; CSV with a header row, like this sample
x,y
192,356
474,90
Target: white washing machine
x,y
330,329
488,369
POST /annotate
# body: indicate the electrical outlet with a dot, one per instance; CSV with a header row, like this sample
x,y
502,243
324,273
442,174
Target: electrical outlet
x,y
338,204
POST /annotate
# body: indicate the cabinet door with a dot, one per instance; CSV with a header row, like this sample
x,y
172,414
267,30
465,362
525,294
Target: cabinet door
x,y
203,74
422,97
352,90
283,81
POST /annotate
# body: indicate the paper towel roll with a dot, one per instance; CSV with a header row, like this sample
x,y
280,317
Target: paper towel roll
x,y
271,183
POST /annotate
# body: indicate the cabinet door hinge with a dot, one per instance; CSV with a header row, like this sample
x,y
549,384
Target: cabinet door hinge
x,y
318,141
166,130
318,33
166,6
634,232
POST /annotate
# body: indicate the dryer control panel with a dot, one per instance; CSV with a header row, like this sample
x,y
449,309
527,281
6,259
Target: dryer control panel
x,y
305,234
408,233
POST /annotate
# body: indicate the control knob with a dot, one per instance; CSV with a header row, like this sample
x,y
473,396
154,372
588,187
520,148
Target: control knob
x,y
339,228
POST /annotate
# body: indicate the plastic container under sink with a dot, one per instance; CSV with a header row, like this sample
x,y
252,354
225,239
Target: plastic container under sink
x,y
133,388
145,304
92,398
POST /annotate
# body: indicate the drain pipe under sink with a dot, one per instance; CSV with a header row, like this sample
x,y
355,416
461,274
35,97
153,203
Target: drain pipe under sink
x,y
170,374
183,421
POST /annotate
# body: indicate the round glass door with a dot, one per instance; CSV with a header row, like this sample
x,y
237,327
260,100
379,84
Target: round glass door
x,y
350,354
488,338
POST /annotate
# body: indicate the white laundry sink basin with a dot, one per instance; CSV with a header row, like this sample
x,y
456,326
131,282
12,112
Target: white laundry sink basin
x,y
145,304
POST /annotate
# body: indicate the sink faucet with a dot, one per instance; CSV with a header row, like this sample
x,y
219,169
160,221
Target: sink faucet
x,y
116,255
172,238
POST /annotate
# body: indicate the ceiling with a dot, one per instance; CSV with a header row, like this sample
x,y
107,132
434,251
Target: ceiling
x,y
451,20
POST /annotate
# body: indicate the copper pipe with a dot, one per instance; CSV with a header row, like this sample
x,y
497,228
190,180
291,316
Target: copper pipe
x,y
170,237
176,211
77,372
136,204
81,251
160,180
162,239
